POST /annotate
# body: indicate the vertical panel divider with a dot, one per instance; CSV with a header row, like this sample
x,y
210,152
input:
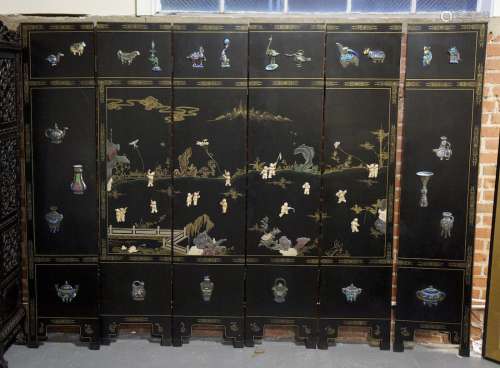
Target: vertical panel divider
x,y
99,164
247,123
319,343
172,212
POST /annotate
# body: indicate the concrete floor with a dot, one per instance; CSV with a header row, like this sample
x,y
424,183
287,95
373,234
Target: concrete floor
x,y
200,353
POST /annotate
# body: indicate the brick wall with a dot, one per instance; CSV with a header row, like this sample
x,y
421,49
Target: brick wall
x,y
490,128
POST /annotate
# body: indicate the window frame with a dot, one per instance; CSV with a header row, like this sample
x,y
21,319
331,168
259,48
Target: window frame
x,y
153,7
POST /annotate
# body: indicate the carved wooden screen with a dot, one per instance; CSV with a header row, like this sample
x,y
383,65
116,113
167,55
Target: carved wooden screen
x,y
209,167
284,147
443,93
134,71
362,71
11,311
62,176
264,156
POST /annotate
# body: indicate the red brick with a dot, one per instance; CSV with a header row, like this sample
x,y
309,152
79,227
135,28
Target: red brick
x,y
488,158
484,208
480,248
479,281
493,49
476,293
477,270
430,336
483,233
491,144
485,219
487,183
492,64
488,169
491,132
488,195
279,331
489,105
480,257
486,118
495,90
492,78
495,118
478,244
399,156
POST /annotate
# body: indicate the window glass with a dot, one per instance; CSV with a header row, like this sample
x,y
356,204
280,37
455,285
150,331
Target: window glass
x,y
254,5
190,5
442,5
367,6
320,6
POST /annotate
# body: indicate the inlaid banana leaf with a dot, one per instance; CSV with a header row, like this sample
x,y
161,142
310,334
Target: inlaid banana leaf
x,y
356,172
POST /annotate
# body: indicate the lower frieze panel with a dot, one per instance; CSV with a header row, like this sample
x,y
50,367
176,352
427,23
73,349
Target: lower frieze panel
x,y
430,295
379,329
232,328
282,295
208,295
282,291
432,299
355,296
138,294
67,291
89,329
306,329
66,295
351,292
405,331
161,327
136,289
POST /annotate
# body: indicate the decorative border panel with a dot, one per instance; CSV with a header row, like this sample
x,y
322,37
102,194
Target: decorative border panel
x,y
12,313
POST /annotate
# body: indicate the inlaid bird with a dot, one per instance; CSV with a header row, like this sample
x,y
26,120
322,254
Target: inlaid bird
x,y
347,56
272,53
54,59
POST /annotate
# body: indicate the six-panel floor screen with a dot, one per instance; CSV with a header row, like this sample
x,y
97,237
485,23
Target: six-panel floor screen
x,y
243,175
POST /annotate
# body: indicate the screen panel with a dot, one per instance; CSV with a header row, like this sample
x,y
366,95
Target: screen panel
x,y
445,67
285,124
62,176
134,71
362,71
209,176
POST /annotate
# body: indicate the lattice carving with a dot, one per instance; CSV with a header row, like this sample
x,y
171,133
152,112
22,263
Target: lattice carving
x,y
8,176
10,249
8,106
8,36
